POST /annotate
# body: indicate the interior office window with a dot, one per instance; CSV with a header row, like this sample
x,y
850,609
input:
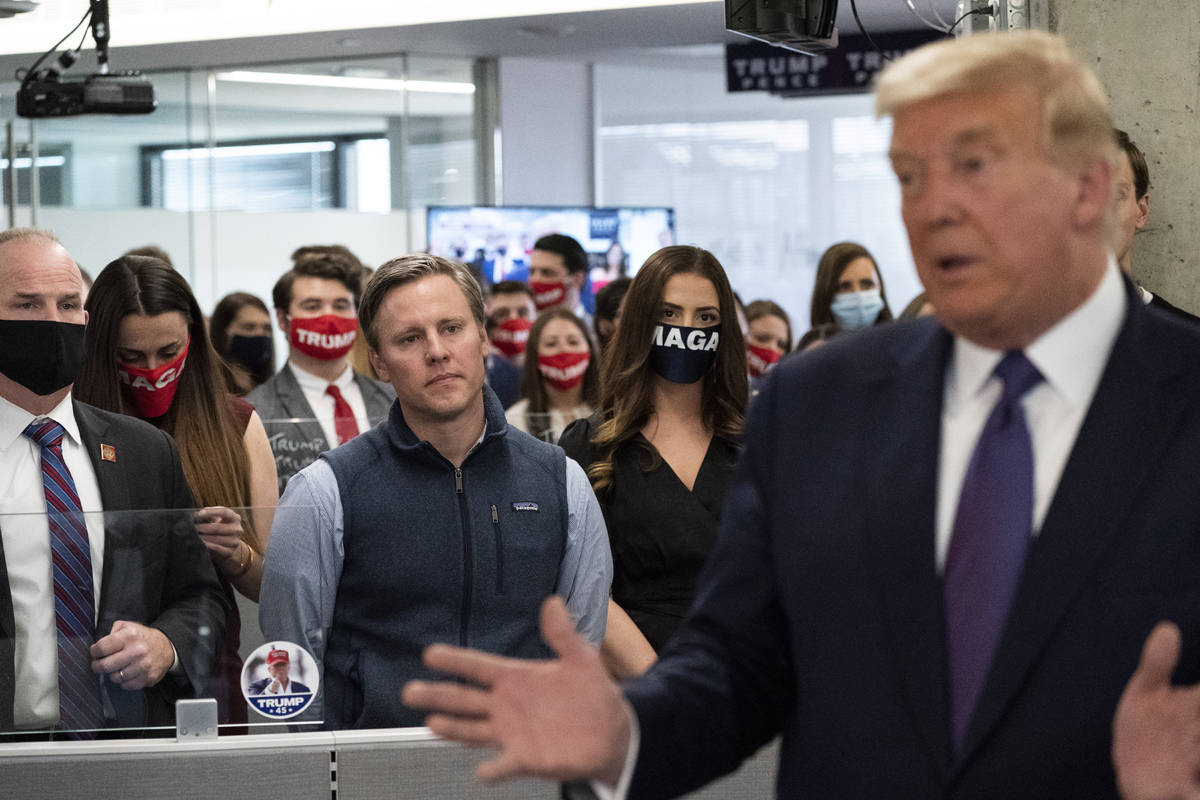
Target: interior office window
x,y
367,172
53,177
866,200
265,176
765,183
730,184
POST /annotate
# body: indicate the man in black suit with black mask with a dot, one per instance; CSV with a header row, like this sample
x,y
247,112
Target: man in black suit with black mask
x,y
105,618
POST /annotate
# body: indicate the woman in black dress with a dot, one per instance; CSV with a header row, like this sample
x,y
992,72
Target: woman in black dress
x,y
661,447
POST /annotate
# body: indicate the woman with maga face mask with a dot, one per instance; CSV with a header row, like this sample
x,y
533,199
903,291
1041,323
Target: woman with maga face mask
x,y
560,378
147,355
660,449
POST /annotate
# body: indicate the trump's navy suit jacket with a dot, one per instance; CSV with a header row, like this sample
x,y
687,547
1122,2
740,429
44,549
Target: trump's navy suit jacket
x,y
820,613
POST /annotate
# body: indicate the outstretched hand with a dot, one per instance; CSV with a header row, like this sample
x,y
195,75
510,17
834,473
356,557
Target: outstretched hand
x,y
1156,730
563,719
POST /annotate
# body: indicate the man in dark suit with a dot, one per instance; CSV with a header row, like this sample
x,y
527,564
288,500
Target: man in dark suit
x,y
317,401
105,619
945,540
1131,211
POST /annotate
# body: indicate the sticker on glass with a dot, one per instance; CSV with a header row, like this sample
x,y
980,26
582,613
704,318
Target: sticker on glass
x,y
280,680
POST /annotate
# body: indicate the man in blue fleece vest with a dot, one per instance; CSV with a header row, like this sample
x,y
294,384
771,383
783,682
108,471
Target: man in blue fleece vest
x,y
441,524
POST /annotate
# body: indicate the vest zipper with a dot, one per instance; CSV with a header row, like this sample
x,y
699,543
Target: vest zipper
x,y
468,559
499,552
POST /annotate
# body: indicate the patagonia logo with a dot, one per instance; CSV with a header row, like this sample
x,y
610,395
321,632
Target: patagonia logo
x,y
525,506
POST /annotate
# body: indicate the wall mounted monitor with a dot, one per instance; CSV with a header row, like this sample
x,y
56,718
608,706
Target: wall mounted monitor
x,y
496,240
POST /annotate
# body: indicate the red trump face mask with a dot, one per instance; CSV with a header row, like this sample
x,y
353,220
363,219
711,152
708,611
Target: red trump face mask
x,y
761,359
512,335
151,391
326,337
564,371
548,295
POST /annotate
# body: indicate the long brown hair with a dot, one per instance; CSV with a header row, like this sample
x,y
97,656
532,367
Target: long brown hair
x,y
200,419
627,380
533,388
829,271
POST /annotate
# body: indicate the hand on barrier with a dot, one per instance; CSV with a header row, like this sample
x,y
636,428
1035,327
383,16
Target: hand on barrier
x,y
133,656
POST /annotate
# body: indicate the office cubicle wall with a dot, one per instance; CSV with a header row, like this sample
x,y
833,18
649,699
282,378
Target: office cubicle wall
x,y
408,763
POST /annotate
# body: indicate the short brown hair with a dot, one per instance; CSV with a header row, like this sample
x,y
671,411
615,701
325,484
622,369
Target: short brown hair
x,y
153,251
1137,161
407,269
329,267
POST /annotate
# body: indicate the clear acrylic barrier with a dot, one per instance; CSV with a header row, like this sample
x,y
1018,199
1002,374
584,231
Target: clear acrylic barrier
x,y
295,442
546,425
172,621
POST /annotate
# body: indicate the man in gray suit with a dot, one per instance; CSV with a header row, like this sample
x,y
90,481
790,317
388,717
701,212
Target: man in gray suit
x,y
317,401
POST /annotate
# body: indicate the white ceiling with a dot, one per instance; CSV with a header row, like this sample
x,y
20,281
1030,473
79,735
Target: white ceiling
x,y
600,35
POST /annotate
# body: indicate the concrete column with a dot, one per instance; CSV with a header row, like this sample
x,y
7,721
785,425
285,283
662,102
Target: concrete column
x,y
546,132
1147,54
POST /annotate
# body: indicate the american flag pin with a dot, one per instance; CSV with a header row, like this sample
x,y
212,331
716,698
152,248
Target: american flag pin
x,y
108,453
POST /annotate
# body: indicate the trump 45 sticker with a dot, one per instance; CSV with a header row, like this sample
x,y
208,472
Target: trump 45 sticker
x,y
280,680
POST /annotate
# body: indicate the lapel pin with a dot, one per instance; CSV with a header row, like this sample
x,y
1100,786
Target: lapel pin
x,y
108,453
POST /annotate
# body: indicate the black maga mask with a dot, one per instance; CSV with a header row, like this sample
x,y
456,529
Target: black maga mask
x,y
41,355
682,354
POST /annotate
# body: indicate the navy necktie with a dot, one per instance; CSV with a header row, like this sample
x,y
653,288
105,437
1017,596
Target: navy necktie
x,y
74,606
991,535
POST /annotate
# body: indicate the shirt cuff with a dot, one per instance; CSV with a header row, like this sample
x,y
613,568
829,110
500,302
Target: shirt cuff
x,y
604,792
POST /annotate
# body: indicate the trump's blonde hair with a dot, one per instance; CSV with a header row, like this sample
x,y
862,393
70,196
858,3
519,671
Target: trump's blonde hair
x,y
1077,127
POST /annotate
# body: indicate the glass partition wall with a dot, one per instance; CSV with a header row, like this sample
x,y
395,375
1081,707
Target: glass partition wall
x,y
238,167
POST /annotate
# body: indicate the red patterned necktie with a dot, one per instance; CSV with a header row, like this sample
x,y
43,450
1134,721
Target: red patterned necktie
x,y
74,604
344,424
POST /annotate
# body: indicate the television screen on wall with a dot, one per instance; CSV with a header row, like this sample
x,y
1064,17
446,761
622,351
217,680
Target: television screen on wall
x,y
496,241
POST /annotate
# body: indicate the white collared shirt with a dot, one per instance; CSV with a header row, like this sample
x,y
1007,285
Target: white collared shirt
x,y
26,537
1071,357
322,404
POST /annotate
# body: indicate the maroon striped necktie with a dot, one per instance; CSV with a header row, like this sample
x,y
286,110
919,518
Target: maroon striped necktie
x,y
74,606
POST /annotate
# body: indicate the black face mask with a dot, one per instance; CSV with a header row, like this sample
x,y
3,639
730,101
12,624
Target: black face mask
x,y
252,351
41,355
681,354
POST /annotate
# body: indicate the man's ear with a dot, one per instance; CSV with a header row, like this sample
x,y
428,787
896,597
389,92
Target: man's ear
x,y
281,319
1093,193
378,365
1143,216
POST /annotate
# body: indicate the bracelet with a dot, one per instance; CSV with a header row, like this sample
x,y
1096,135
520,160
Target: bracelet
x,y
244,567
